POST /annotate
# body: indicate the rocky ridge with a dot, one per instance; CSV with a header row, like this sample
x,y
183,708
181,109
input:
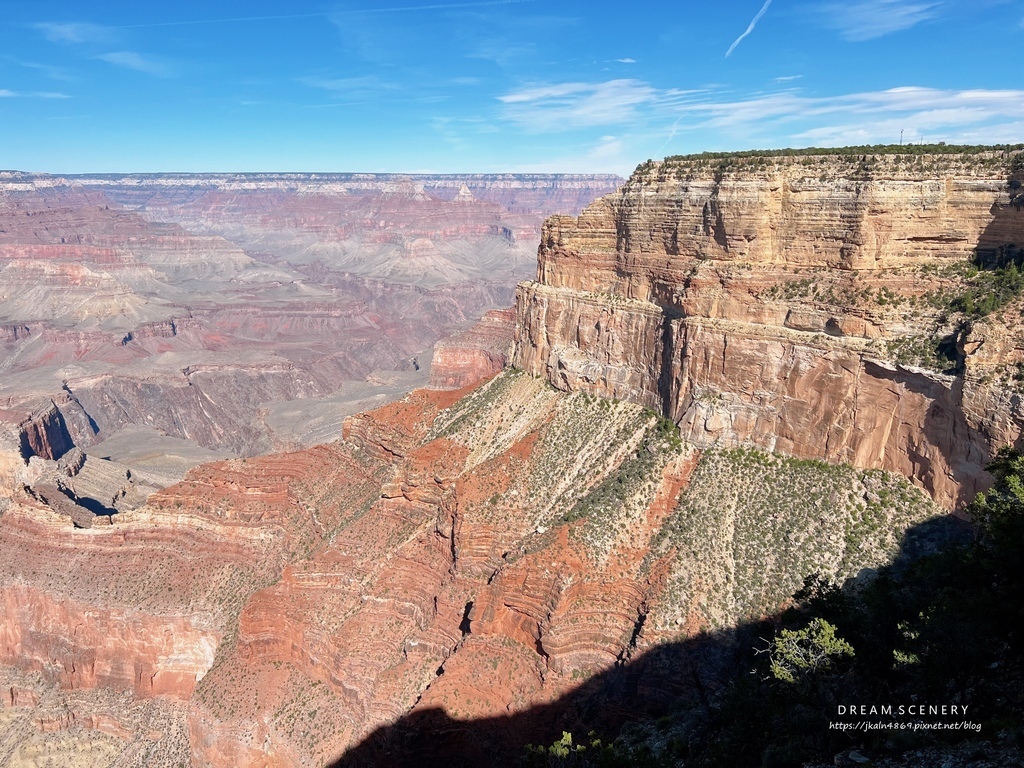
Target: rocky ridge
x,y
761,300
482,552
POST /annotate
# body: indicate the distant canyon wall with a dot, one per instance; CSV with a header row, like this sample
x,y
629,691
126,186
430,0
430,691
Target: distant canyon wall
x,y
761,301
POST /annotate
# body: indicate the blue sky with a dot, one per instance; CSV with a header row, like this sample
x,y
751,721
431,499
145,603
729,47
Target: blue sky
x,y
501,85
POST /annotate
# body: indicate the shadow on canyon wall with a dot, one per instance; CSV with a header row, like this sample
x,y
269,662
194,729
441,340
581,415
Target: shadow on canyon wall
x,y
689,675
1002,241
1000,245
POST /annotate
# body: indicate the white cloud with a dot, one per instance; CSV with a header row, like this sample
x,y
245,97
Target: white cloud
x,y
564,106
609,147
791,104
136,61
785,118
787,78
4,93
75,32
609,154
627,60
858,118
869,19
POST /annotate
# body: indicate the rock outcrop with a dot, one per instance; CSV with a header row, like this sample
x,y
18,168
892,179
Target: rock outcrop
x,y
44,433
524,541
759,301
475,354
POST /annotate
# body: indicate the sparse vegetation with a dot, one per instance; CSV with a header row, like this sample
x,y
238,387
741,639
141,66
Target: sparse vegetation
x,y
758,521
861,149
853,164
943,627
977,288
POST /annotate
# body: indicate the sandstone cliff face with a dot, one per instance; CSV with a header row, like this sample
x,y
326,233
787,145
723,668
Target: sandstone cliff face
x,y
757,303
475,354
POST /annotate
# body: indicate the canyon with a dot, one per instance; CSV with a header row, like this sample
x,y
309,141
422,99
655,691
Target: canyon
x,y
722,379
157,322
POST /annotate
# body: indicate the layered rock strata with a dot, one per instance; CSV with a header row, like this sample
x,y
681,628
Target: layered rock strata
x,y
484,553
758,301
525,541
194,308
475,354
475,552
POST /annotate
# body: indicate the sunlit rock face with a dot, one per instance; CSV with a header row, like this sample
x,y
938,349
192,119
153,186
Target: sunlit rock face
x,y
764,302
476,354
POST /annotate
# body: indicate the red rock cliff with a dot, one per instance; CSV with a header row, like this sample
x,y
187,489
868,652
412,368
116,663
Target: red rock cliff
x,y
765,300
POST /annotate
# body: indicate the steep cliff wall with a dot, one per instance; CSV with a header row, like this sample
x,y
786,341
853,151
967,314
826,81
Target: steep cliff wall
x,y
766,300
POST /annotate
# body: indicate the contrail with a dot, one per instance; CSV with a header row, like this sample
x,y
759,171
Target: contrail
x,y
325,14
750,28
671,135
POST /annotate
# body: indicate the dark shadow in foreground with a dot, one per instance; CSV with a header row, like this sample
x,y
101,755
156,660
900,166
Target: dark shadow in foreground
x,y
715,696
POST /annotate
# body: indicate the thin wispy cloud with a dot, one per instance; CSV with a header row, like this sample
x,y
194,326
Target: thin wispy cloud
x,y
137,62
564,106
50,71
875,116
788,117
506,52
937,123
5,93
749,29
604,153
437,99
626,61
787,78
870,19
461,132
349,85
790,105
75,32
